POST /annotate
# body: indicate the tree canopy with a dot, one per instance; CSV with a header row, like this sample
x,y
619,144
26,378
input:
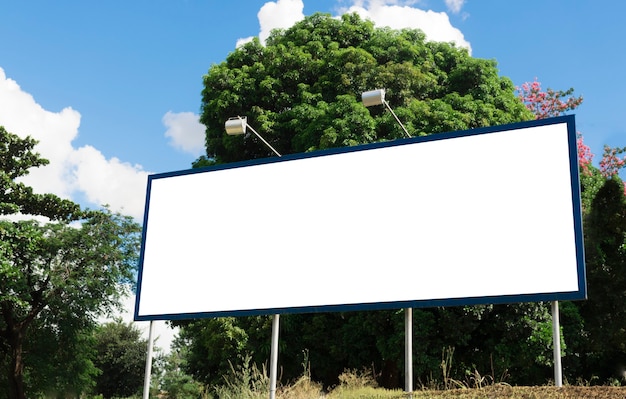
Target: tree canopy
x,y
16,159
56,278
302,90
121,358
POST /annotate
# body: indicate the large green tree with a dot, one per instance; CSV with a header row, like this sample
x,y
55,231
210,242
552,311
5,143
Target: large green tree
x,y
302,92
56,278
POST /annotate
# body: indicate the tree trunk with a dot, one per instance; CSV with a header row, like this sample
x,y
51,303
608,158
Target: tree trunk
x,y
16,365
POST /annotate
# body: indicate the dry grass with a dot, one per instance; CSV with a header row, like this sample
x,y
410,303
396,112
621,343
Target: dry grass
x,y
502,391
249,382
496,391
303,388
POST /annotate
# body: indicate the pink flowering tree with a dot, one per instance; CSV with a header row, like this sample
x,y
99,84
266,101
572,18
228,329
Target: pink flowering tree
x,y
551,103
585,156
611,161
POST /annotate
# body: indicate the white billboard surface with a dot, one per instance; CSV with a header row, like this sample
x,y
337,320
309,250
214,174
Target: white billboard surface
x,y
482,216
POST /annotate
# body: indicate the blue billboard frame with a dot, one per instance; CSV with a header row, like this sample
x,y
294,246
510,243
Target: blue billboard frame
x,y
580,294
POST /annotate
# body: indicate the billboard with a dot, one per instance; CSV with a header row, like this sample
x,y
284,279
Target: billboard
x,y
491,215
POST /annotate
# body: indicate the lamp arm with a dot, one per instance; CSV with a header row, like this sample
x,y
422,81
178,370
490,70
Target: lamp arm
x,y
397,119
263,140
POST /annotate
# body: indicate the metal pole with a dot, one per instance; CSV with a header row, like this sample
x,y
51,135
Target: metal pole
x,y
408,351
263,140
276,319
148,375
274,356
556,339
397,119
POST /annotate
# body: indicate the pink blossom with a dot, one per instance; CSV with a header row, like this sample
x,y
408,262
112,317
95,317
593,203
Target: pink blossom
x,y
584,154
549,103
611,163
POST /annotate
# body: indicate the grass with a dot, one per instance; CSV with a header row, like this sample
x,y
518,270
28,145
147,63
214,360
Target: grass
x,y
250,383
502,391
354,387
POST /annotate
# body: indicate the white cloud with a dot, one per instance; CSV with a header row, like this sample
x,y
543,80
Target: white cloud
x,y
396,14
436,25
109,181
21,115
72,171
242,41
280,14
455,5
185,131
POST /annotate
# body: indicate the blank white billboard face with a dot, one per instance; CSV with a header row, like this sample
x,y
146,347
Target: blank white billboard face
x,y
484,216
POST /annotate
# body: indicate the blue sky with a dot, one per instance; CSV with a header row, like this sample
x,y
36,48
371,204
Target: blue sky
x,y
112,89
128,71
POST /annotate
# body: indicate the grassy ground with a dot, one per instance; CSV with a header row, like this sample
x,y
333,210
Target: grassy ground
x,y
362,386
250,383
544,392
491,392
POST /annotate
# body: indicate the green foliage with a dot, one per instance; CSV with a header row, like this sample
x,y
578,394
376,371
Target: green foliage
x,y
175,383
45,350
302,90
16,158
210,346
56,278
120,357
590,184
605,310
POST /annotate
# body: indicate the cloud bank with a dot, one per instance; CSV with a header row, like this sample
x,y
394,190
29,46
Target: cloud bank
x,y
435,25
392,13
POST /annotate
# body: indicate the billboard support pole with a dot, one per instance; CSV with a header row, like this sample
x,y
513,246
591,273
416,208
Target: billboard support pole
x,y
274,355
369,99
235,126
408,351
556,340
148,375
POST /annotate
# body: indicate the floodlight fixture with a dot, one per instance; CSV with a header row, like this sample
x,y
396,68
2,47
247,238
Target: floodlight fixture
x,y
377,97
373,97
237,125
